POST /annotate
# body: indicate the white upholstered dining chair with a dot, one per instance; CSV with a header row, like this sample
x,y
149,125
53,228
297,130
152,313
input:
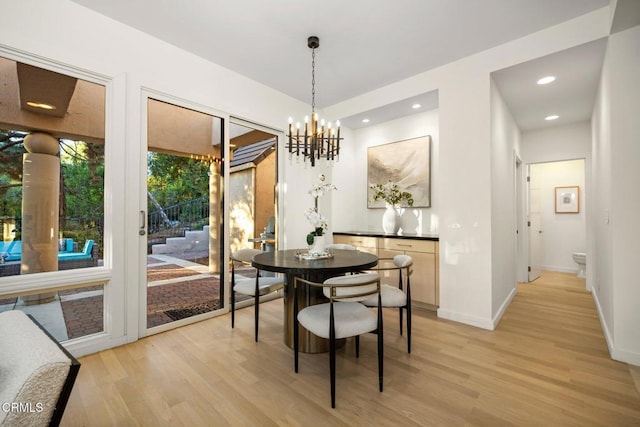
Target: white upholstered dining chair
x,y
396,297
255,287
342,317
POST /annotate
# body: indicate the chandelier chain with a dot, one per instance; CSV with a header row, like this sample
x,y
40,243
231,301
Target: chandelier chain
x,y
313,80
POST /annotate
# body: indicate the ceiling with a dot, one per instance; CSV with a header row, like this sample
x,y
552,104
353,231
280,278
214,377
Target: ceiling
x,y
364,44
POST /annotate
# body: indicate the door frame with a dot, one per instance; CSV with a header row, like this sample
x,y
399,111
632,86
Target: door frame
x,y
141,261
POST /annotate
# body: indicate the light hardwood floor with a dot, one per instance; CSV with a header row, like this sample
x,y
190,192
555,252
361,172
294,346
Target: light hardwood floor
x,y
546,364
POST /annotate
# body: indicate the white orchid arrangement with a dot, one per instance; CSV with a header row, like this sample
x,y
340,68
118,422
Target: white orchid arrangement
x,y
315,218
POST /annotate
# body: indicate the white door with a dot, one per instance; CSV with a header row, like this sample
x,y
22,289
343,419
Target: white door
x,y
535,228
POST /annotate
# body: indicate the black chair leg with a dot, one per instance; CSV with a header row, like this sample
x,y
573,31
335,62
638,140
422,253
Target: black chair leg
x,y
332,356
357,346
296,339
408,315
400,311
380,344
233,309
409,328
257,312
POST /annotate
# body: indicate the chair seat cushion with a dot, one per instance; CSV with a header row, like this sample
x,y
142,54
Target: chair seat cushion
x,y
265,285
351,319
391,297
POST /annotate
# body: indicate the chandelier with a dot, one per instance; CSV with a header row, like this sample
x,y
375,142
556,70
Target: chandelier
x,y
314,141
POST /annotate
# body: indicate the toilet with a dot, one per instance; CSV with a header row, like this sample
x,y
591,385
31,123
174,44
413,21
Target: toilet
x,y
581,259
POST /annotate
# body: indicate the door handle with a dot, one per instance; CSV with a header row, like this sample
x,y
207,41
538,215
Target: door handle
x,y
143,223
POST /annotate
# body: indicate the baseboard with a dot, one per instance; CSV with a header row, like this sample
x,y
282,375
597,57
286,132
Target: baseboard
x,y
478,322
503,307
93,344
615,353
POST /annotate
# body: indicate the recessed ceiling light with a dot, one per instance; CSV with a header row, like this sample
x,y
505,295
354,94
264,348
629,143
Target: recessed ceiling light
x,y
546,80
365,120
552,117
41,105
416,106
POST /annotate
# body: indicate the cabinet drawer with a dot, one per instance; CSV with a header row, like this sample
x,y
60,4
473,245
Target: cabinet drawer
x,y
358,241
428,246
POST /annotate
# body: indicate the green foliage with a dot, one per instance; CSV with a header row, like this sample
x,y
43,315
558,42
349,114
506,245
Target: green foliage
x,y
391,194
11,150
173,179
83,179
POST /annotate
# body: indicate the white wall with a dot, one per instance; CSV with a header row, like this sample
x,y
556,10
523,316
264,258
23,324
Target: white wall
x,y
350,205
616,152
505,147
567,142
564,233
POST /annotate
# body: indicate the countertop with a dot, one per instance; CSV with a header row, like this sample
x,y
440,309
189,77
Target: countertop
x,y
413,236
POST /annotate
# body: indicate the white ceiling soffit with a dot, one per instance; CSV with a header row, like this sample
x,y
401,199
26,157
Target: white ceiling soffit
x,y
571,96
425,101
364,44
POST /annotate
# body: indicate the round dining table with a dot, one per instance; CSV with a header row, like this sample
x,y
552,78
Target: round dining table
x,y
292,264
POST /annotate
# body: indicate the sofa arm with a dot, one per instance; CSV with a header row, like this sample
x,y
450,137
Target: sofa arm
x,y
36,373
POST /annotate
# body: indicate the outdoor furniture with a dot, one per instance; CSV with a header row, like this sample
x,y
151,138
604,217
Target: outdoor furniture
x,y
37,374
12,251
67,260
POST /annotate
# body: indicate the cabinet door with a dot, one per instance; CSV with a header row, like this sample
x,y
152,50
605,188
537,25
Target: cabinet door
x,y
423,279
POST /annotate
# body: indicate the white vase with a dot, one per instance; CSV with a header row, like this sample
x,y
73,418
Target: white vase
x,y
391,220
318,246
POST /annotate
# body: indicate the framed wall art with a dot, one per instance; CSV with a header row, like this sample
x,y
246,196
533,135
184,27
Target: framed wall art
x,y
406,163
568,199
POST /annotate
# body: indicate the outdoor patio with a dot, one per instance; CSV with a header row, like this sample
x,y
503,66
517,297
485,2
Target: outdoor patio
x,y
177,288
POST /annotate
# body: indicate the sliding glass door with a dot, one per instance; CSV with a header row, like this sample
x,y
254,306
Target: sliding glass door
x,y
184,215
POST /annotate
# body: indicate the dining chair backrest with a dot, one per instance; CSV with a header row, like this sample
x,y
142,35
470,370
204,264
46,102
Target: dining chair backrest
x,y
245,255
344,246
403,261
351,288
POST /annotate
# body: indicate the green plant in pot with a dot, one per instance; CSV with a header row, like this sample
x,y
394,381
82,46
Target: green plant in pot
x,y
393,196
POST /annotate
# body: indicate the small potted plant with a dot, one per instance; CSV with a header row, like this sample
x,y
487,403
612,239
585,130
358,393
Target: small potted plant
x,y
393,197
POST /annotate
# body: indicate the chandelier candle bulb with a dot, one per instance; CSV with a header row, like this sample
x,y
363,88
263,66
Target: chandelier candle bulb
x,y
290,133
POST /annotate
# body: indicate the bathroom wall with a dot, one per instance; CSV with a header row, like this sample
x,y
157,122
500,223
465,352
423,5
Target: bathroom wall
x,y
563,233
